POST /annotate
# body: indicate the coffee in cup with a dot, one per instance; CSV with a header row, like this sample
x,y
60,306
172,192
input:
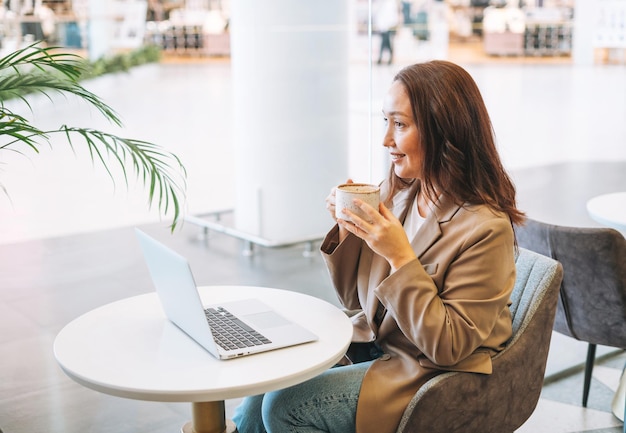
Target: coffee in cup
x,y
347,192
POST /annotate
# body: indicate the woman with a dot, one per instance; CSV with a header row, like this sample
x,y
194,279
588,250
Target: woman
x,y
432,269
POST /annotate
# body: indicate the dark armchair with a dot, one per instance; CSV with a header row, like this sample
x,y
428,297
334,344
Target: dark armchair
x,y
592,302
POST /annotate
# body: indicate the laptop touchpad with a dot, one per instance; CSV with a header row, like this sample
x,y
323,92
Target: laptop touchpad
x,y
267,319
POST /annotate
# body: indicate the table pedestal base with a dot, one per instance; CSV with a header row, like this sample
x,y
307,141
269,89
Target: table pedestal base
x,y
208,417
618,405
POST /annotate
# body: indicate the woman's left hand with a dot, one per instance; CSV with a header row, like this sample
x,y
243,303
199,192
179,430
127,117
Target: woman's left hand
x,y
383,233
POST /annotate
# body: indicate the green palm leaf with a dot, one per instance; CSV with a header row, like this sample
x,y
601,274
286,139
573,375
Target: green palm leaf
x,y
43,70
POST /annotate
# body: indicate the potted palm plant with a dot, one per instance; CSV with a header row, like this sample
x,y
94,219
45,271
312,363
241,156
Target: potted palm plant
x,y
36,69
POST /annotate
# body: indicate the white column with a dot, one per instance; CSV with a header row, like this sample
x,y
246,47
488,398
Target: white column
x,y
289,63
100,28
585,15
439,30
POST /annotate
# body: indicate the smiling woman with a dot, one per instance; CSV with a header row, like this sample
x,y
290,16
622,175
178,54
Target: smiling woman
x,y
43,70
431,268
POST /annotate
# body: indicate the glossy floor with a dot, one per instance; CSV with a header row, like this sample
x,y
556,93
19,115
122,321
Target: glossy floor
x,y
66,244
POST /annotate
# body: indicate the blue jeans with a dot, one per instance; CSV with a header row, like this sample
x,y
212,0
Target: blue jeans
x,y
326,403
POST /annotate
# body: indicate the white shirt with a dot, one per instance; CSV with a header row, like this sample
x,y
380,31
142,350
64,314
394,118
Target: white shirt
x,y
413,220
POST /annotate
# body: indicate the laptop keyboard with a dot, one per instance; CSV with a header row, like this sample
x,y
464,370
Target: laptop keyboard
x,y
230,332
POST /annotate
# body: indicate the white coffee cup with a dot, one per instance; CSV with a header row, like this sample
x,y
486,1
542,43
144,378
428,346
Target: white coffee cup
x,y
347,192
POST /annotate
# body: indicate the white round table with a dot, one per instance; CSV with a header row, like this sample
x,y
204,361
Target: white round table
x,y
129,349
609,210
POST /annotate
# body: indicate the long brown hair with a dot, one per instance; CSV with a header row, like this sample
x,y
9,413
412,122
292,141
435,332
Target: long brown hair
x,y
457,139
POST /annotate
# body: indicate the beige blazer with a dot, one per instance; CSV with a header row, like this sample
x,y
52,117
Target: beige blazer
x,y
445,311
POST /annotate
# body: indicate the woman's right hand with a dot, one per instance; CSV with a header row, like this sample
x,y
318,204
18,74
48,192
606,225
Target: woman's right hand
x,y
331,202
331,205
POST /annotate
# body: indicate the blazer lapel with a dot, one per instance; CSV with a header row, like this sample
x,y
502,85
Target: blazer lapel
x,y
430,231
426,235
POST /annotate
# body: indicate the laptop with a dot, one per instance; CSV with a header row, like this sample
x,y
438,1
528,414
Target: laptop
x,y
265,328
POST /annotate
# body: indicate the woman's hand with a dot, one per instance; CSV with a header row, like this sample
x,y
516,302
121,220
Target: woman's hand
x,y
383,233
331,205
331,200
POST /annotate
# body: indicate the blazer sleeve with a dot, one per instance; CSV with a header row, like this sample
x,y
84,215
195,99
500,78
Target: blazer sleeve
x,y
342,261
463,305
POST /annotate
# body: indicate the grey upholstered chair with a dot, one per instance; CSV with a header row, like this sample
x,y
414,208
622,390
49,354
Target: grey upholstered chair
x,y
502,401
592,303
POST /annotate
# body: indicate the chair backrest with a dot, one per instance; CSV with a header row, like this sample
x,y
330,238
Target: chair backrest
x,y
502,401
592,302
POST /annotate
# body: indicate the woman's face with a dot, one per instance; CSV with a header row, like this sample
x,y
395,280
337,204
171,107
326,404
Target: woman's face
x,y
401,136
